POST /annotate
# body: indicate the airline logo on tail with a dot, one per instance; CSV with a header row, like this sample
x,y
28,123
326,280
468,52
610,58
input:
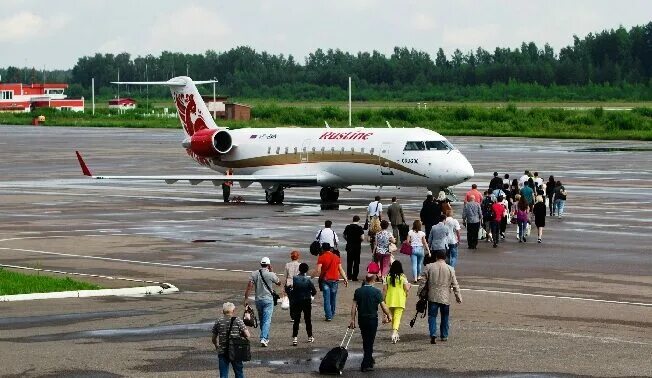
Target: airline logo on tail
x,y
191,117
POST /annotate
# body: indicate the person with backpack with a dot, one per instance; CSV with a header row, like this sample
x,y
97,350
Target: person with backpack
x,y
560,198
486,205
228,327
395,291
261,281
329,269
301,302
327,235
366,301
527,192
375,209
495,183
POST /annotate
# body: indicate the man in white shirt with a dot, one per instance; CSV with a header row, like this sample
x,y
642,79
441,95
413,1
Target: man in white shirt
x,y
327,235
375,209
538,181
453,237
523,179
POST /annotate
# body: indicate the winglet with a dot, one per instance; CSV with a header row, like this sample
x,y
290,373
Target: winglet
x,y
83,166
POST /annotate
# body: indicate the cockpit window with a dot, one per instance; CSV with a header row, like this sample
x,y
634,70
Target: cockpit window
x,y
439,145
436,145
415,146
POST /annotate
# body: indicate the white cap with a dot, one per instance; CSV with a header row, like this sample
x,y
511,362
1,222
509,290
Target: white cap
x,y
429,193
265,261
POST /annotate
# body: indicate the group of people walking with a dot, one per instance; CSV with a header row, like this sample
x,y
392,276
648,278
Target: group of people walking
x,y
431,242
520,201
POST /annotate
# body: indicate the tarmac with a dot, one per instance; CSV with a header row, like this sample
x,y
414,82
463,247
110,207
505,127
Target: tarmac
x,y
580,303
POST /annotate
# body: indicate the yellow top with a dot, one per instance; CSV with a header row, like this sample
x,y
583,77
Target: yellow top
x,y
395,296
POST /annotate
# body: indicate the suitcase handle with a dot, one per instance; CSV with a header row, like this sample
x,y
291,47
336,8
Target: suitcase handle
x,y
346,333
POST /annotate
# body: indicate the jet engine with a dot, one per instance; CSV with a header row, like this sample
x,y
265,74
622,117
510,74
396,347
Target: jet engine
x,y
209,142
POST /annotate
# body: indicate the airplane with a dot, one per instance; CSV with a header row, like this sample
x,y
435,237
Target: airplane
x,y
287,157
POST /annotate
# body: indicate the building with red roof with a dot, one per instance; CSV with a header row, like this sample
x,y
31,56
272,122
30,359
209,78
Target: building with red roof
x,y
20,97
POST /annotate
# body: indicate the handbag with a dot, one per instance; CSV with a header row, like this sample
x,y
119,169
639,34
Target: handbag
x,y
392,247
315,246
237,349
275,296
406,248
366,222
249,317
285,303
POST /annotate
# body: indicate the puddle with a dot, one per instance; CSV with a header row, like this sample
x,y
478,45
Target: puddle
x,y
204,241
613,149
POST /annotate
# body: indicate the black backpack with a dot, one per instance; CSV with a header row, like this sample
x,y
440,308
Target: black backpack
x,y
487,209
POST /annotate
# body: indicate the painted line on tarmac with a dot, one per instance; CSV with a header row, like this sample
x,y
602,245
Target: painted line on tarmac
x,y
195,267
559,297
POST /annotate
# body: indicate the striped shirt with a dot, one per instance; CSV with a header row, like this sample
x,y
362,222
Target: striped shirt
x,y
221,327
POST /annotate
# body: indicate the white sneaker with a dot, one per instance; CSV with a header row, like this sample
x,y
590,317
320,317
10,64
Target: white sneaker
x,y
295,341
395,337
311,339
264,342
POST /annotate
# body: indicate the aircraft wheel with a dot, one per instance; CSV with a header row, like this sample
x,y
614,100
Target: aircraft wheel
x,y
276,197
329,194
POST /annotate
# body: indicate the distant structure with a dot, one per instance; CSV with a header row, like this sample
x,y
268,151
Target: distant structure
x,y
220,108
18,97
122,103
238,111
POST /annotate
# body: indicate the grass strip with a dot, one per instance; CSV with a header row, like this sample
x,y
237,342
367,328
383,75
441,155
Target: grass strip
x,y
12,283
596,123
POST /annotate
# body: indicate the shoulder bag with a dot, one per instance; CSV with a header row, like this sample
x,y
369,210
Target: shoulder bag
x,y
275,296
237,349
315,246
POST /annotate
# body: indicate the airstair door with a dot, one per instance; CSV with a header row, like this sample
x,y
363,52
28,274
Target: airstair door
x,y
384,160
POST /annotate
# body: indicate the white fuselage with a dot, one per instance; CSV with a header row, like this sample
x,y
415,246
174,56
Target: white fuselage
x,y
340,157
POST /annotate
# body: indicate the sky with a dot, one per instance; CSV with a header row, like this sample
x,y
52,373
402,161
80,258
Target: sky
x,y
54,34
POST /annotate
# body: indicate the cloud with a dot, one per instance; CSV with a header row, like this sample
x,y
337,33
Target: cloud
x,y
188,30
25,26
423,22
114,46
21,27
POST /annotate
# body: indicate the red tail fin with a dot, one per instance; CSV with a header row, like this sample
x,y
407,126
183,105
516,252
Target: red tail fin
x,y
82,164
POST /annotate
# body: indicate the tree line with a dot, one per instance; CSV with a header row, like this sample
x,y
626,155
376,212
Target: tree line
x,y
611,64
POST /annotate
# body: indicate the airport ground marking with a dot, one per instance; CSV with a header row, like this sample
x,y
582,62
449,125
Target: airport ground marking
x,y
170,265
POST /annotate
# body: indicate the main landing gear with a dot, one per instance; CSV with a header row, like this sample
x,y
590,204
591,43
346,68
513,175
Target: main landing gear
x,y
274,196
329,194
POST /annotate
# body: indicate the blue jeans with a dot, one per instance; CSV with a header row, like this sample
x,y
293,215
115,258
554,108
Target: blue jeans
x,y
224,362
329,289
452,254
433,307
559,206
265,309
521,229
417,261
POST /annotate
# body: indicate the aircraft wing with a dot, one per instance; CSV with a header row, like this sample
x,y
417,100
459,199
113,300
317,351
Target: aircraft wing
x,y
216,179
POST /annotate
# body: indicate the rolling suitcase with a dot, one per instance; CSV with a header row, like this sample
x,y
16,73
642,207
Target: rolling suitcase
x,y
333,363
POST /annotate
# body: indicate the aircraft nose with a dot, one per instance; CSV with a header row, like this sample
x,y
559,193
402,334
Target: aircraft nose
x,y
465,169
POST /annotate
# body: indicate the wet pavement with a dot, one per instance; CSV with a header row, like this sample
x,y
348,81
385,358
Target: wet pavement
x,y
530,309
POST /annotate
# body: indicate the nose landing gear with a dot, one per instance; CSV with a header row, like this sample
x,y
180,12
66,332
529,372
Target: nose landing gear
x,y
274,196
329,194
